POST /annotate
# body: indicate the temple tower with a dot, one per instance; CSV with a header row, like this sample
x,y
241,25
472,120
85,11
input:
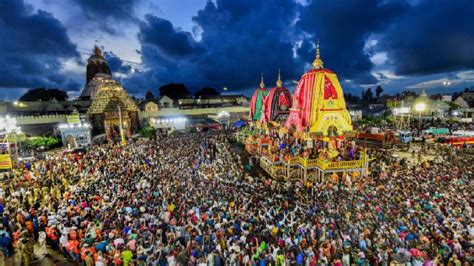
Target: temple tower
x,y
97,71
318,102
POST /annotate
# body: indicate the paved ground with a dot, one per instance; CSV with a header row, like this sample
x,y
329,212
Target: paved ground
x,y
413,159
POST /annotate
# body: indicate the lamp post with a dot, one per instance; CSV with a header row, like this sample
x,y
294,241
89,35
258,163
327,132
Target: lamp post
x,y
122,137
446,83
420,107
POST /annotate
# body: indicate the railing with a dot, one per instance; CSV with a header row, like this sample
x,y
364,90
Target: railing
x,y
344,164
323,165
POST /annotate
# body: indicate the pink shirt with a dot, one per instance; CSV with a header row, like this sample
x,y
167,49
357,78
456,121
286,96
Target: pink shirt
x,y
132,245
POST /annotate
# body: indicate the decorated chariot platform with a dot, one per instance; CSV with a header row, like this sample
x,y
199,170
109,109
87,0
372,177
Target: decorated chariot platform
x,y
304,136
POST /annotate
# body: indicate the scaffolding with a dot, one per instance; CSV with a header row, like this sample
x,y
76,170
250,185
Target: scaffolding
x,y
401,117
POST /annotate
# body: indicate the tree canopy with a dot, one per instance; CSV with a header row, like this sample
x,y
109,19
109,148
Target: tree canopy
x,y
378,91
367,96
149,96
174,90
350,98
43,94
207,91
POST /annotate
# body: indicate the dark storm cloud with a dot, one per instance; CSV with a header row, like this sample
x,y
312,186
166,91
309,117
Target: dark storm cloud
x,y
343,28
159,33
106,16
238,42
246,38
116,64
432,37
32,47
108,9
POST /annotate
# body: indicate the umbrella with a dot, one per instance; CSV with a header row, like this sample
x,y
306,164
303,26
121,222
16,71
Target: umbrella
x,y
240,124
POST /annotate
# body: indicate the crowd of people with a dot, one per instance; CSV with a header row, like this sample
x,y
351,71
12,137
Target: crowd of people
x,y
284,147
187,200
418,126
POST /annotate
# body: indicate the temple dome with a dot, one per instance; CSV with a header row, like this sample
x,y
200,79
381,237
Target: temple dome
x,y
257,101
277,103
318,102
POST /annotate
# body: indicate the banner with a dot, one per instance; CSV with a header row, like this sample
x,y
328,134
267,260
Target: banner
x,y
5,161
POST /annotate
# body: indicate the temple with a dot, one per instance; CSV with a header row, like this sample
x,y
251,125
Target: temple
x,y
318,103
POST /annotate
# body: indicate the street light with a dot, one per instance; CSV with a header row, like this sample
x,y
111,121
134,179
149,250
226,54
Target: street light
x,y
122,136
446,83
420,107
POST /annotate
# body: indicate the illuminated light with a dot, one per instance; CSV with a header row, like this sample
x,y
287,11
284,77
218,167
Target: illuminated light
x,y
401,110
15,103
223,114
8,124
420,107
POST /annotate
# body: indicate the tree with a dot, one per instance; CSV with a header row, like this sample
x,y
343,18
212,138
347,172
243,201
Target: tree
x,y
148,132
378,91
453,106
207,91
42,94
367,96
44,142
407,95
174,90
149,96
350,98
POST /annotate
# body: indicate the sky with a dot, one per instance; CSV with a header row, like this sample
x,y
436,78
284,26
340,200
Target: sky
x,y
398,44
